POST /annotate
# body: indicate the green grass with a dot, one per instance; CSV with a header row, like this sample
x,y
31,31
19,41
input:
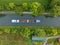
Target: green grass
x,y
12,39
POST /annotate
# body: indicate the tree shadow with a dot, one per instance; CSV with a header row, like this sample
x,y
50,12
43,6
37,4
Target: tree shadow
x,y
2,15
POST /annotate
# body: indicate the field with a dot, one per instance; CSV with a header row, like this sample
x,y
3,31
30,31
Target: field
x,y
7,38
12,39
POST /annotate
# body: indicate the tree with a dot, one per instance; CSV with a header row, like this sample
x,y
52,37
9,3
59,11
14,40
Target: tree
x,y
36,8
49,32
13,31
25,6
25,32
55,8
7,30
1,31
11,5
6,7
40,33
2,7
53,2
18,9
55,32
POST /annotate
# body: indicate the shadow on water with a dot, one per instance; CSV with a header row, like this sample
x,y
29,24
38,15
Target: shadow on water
x,y
49,16
2,15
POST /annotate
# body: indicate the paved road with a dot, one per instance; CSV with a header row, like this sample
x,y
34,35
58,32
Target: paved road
x,y
6,20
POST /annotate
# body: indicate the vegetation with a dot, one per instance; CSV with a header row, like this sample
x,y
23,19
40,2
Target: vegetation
x,y
38,8
55,8
35,7
12,39
53,41
26,33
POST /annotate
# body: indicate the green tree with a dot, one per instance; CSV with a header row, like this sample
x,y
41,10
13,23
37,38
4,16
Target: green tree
x,y
13,31
37,8
53,2
1,7
40,32
11,5
1,31
18,9
25,6
6,7
7,30
55,8
25,32
55,32
49,32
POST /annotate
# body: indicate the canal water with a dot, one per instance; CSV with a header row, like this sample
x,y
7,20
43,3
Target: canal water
x,y
44,21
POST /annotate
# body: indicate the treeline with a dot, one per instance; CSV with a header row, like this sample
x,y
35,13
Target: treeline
x,y
28,32
36,8
49,7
